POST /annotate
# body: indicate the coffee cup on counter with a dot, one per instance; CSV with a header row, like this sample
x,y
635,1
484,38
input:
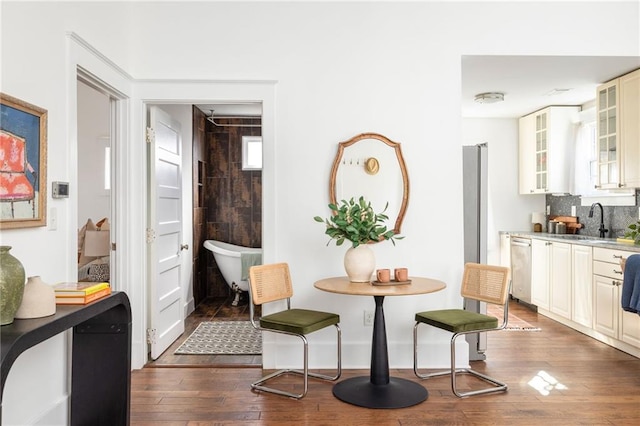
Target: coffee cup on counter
x,y
383,275
401,274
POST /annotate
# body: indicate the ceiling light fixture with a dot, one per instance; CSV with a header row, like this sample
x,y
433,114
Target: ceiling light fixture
x,y
489,97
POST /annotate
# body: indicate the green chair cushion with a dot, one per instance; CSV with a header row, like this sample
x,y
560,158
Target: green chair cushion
x,y
457,320
299,321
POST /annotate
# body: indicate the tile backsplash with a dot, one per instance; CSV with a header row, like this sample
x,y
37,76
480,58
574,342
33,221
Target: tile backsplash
x,y
616,219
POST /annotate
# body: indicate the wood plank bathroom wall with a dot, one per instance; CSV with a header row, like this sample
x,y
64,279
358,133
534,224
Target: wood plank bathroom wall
x,y
231,202
200,254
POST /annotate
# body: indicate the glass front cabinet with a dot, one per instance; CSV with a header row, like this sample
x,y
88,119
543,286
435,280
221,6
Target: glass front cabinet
x,y
545,147
608,125
618,130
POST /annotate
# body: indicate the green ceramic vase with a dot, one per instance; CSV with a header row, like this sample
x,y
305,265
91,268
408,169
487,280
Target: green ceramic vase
x,y
12,279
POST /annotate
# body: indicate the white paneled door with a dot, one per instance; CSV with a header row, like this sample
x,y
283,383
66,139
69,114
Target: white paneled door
x,y
164,236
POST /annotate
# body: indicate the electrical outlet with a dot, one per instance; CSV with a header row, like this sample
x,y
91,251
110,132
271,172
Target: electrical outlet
x,y
573,210
368,317
548,210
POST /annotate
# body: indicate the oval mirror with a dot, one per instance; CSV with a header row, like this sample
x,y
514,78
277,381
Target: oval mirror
x,y
372,166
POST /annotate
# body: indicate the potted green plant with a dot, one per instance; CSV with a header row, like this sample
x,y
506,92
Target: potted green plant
x,y
634,232
357,222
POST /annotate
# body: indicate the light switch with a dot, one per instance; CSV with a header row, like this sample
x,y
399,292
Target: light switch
x,y
573,210
53,219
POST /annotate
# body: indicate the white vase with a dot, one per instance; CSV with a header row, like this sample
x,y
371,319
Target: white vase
x,y
359,263
39,300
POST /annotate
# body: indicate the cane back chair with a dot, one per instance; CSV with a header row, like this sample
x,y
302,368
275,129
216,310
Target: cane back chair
x,y
272,282
484,283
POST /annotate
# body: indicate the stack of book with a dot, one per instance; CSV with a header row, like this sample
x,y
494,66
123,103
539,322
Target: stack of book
x,y
80,293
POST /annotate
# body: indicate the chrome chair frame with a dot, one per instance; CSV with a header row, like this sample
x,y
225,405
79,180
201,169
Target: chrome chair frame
x,y
305,373
497,385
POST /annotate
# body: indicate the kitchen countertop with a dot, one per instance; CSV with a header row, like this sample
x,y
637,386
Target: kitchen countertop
x,y
585,240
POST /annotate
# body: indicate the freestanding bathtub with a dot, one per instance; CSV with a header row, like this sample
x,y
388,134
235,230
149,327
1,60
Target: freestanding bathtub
x,y
227,257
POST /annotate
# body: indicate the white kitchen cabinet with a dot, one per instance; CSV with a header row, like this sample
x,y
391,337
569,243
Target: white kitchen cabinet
x,y
618,132
581,286
582,307
545,147
608,125
526,154
606,312
609,318
540,278
551,277
629,331
560,291
630,129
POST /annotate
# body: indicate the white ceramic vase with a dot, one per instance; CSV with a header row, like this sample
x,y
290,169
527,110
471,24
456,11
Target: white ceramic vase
x,y
359,263
39,300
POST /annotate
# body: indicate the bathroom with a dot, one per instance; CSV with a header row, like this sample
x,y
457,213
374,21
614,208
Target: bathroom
x,y
228,199
227,207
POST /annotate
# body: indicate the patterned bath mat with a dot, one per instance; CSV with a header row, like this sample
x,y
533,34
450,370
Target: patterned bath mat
x,y
223,338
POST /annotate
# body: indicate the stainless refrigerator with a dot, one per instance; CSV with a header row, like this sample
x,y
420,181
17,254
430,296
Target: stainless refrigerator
x,y
474,180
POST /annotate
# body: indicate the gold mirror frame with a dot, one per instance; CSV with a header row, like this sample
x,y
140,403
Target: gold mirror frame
x,y
372,165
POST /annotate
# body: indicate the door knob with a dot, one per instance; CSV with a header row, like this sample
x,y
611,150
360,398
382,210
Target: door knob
x,y
184,246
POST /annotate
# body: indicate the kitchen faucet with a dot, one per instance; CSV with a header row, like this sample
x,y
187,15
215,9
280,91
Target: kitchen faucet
x,y
602,228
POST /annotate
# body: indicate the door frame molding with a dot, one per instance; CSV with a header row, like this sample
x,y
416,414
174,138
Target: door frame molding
x,y
191,92
133,97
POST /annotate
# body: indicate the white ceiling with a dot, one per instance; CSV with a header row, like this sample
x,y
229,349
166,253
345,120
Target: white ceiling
x,y
526,81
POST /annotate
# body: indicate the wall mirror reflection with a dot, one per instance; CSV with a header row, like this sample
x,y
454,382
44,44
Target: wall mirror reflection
x,y
371,165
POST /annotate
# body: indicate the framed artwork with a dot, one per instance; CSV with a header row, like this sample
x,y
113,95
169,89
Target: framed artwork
x,y
23,164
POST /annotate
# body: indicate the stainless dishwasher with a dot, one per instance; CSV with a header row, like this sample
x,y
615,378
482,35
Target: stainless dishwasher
x,y
521,268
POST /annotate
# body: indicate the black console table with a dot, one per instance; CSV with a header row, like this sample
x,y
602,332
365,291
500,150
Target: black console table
x,y
101,357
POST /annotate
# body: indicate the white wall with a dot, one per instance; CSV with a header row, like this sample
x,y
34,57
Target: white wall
x,y
341,69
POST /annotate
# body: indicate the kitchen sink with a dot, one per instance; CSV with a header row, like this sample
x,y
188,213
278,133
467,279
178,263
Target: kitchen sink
x,y
572,237
587,239
584,239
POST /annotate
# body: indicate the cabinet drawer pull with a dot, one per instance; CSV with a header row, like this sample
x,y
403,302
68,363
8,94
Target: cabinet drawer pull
x,y
615,256
617,272
616,282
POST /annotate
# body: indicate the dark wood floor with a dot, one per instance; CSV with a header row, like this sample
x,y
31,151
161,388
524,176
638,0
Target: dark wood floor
x,y
556,376
211,309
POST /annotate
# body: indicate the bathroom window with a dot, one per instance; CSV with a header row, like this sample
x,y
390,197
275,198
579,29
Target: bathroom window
x,y
252,153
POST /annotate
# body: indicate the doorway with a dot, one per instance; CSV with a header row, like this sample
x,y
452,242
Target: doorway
x,y
95,121
227,206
